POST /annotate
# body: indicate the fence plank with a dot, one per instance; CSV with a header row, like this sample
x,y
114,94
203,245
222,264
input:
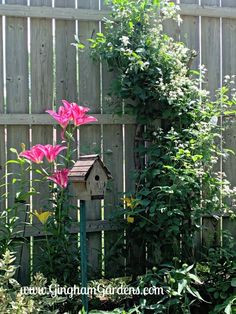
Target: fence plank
x,y
211,48
189,34
66,88
66,85
2,128
211,57
135,263
41,100
229,68
17,102
171,28
113,157
210,232
229,225
90,136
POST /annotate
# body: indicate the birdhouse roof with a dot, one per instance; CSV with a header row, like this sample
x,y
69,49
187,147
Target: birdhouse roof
x,y
84,165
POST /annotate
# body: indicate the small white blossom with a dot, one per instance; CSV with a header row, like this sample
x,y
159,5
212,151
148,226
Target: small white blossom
x,y
214,120
125,40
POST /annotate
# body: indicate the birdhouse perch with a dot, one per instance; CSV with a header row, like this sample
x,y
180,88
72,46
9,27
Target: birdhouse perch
x,y
89,177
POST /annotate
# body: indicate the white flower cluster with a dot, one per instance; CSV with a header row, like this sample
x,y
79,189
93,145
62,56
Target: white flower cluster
x,y
125,40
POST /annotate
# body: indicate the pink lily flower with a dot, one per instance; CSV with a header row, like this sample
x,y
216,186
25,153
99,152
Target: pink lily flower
x,y
79,120
50,151
67,105
71,112
60,177
71,107
62,117
78,113
34,154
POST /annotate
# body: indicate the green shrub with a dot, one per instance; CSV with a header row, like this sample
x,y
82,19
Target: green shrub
x,y
12,301
218,271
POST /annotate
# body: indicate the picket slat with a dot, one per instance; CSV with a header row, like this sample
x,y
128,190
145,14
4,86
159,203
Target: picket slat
x,y
229,68
171,27
17,102
210,34
114,159
41,99
90,136
135,247
189,33
66,85
2,128
211,58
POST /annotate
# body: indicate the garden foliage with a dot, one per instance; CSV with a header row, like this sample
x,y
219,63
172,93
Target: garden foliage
x,y
179,138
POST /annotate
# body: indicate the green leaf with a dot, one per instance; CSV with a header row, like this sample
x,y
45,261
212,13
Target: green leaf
x,y
230,151
181,285
195,293
197,157
229,112
156,172
12,161
189,268
14,180
38,171
145,192
195,278
156,2
233,282
144,202
13,150
228,309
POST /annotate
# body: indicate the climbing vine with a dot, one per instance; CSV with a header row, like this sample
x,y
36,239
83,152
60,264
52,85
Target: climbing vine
x,y
178,135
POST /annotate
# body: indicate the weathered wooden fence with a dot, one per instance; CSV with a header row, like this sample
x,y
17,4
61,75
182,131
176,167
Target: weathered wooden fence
x,y
39,67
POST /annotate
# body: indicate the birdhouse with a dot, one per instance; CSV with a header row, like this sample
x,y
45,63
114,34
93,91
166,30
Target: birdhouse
x,y
89,176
